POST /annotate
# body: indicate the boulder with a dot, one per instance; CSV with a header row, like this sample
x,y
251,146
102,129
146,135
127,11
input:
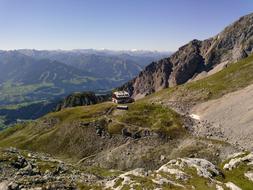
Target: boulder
x,y
4,185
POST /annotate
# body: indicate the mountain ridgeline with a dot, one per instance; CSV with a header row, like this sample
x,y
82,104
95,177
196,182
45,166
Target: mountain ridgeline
x,y
116,65
196,59
31,75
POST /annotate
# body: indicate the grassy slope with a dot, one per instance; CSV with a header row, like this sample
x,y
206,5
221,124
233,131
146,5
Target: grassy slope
x,y
142,115
56,133
2,126
65,137
60,133
232,78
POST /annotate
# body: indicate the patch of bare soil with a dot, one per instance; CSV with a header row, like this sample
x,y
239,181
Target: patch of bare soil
x,y
228,118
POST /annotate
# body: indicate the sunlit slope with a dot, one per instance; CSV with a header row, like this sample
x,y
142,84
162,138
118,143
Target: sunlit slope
x,y
60,133
236,76
83,131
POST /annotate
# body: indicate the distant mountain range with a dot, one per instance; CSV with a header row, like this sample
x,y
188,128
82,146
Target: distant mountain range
x,y
32,75
33,78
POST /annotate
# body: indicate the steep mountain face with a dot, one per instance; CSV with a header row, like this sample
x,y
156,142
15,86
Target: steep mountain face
x,y
151,79
197,57
81,99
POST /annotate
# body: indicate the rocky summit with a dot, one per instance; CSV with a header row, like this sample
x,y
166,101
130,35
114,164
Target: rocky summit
x,y
196,59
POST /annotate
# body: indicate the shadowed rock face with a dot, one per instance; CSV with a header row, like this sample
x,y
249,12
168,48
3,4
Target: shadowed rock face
x,y
152,79
232,44
186,62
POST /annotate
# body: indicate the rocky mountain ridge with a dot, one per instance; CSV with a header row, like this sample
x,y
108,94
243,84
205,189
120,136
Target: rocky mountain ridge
x,y
197,57
81,99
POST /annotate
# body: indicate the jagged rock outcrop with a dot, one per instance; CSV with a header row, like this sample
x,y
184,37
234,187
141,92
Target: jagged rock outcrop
x,y
81,99
183,173
232,44
152,79
21,169
36,171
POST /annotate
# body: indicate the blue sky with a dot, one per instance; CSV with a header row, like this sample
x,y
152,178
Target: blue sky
x,y
114,24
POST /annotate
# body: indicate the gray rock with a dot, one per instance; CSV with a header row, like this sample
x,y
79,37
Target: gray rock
x,y
19,163
4,185
13,186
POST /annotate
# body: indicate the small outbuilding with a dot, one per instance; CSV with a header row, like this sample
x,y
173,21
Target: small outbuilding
x,y
121,107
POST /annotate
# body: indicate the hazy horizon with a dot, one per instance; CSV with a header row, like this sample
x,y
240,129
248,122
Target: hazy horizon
x,y
114,25
92,49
